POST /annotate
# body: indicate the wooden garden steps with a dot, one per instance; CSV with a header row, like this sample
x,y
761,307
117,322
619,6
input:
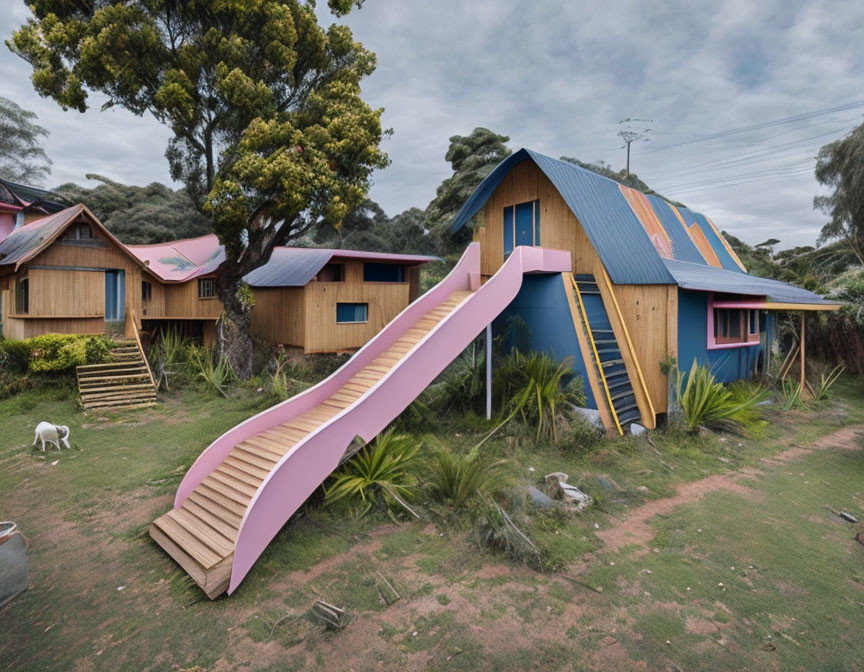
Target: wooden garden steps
x,y
124,382
201,533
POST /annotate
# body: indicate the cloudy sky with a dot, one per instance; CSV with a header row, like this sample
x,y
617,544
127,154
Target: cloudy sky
x,y
771,80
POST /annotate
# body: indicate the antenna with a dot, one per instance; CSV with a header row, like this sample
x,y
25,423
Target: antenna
x,y
633,130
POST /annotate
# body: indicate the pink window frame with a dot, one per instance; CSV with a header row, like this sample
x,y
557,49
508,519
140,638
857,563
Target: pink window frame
x,y
752,339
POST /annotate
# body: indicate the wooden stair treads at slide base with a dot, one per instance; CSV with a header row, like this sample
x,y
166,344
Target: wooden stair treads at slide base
x,y
124,382
200,535
606,356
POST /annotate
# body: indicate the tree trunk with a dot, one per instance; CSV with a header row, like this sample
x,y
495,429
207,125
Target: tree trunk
x,y
235,344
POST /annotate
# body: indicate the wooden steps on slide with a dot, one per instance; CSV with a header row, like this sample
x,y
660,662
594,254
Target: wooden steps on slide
x,y
124,382
200,535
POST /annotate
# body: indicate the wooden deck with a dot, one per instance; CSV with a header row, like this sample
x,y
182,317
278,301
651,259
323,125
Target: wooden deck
x,y
201,534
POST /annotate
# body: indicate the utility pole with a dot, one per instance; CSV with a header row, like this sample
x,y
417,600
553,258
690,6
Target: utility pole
x,y
633,130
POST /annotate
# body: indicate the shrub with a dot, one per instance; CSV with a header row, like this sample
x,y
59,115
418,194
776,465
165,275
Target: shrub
x,y
704,402
464,384
826,382
379,473
216,374
14,356
458,478
534,388
791,395
496,532
51,353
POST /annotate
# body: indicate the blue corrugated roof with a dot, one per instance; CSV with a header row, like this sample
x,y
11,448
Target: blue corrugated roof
x,y
711,279
609,222
296,266
716,244
289,268
682,244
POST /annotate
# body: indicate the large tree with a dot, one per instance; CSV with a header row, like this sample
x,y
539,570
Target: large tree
x,y
840,166
140,215
22,157
472,157
271,135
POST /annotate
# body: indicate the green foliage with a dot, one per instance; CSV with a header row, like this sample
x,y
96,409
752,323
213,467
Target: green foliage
x,y
464,384
22,157
271,135
456,479
496,531
704,402
534,388
791,395
54,353
139,215
379,473
622,176
840,167
826,381
14,356
214,372
472,158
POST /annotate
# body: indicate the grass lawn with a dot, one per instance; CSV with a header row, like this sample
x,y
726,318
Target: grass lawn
x,y
702,553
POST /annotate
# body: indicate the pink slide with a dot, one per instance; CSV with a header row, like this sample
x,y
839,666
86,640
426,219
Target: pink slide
x,y
247,484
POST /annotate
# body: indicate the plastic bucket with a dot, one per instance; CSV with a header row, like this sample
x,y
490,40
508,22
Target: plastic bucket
x,y
13,562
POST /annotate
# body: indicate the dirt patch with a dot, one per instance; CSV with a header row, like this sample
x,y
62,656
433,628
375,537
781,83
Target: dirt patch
x,y
635,530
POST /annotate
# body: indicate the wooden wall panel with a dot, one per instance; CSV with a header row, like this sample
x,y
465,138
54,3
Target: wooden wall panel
x,y
323,334
646,310
181,301
279,315
60,292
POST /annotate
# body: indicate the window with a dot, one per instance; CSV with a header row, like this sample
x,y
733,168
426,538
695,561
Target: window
x,y
383,272
734,327
79,231
348,313
22,296
331,273
146,290
206,288
521,225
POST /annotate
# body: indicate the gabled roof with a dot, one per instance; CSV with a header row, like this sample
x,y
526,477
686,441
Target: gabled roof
x,y
296,266
181,260
25,243
641,239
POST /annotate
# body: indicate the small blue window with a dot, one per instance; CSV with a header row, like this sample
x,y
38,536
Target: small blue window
x,y
346,313
383,273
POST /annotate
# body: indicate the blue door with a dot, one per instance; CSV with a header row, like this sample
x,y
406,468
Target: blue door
x,y
114,293
521,225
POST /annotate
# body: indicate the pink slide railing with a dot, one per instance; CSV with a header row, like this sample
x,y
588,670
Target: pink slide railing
x,y
313,459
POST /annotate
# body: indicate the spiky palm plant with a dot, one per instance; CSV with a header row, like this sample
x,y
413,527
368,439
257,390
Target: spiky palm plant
x,y
458,478
379,473
704,402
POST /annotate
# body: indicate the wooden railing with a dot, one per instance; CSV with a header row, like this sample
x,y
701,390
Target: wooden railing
x,y
137,333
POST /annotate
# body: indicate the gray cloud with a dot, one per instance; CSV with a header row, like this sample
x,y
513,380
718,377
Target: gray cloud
x,y
557,77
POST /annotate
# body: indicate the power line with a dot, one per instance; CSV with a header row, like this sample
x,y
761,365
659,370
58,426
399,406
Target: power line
x,y
696,188
759,126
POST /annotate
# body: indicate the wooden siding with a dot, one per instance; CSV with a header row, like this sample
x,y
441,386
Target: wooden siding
x,y
279,315
323,334
650,311
181,301
60,292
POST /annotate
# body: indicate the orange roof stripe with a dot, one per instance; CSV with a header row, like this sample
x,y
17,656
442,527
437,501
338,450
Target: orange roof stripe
x,y
652,225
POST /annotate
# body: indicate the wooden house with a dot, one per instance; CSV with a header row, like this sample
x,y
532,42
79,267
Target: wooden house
x,y
331,300
652,282
66,273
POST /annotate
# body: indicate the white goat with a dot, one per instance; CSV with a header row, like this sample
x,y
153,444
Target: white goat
x,y
45,431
